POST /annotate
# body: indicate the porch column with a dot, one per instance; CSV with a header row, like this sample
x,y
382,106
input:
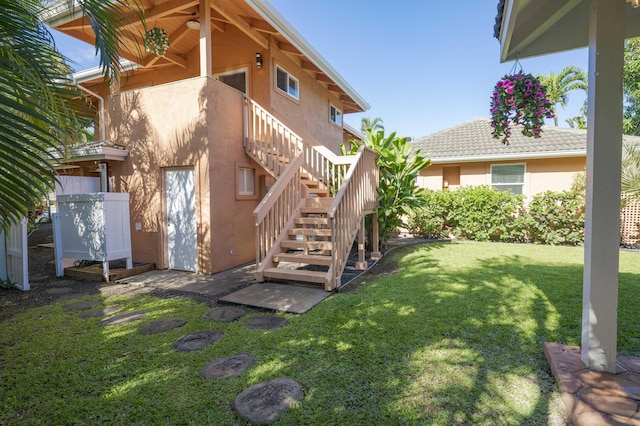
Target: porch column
x,y
206,67
604,151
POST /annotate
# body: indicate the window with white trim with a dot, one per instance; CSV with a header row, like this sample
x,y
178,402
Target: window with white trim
x,y
287,83
335,115
246,181
505,177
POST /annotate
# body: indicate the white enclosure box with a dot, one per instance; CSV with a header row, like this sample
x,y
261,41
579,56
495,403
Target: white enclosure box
x,y
94,227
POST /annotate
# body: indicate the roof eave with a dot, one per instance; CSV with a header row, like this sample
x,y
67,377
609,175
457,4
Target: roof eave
x,y
276,20
510,157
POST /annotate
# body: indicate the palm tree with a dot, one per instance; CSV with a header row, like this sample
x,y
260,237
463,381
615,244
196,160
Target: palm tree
x,y
559,85
39,106
368,124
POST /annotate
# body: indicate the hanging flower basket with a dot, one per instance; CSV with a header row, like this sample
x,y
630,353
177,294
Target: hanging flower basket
x,y
519,99
156,41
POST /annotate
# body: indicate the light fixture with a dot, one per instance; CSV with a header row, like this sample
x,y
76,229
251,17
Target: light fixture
x,y
193,23
258,60
445,183
635,3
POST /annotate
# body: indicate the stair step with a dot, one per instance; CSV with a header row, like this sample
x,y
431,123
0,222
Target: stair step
x,y
296,275
314,210
318,191
310,231
310,183
308,259
313,245
319,202
311,221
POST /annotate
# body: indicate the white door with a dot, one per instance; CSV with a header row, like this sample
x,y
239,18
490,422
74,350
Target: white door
x,y
182,240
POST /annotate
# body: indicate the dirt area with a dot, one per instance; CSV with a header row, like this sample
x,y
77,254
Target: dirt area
x,y
45,287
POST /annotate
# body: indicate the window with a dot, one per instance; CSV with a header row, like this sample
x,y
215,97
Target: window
x,y
286,82
246,181
335,115
236,79
505,177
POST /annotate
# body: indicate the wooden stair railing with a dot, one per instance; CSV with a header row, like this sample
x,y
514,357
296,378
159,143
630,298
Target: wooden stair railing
x,y
352,179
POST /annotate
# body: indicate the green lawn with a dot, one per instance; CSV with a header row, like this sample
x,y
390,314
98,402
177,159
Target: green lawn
x,y
453,335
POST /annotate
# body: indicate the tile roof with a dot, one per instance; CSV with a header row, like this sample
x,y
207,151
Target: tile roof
x,y
498,25
473,141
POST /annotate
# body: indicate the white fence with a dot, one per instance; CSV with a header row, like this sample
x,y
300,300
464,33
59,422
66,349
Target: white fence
x,y
14,266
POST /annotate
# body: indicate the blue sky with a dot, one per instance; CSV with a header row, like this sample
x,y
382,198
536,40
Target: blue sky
x,y
422,66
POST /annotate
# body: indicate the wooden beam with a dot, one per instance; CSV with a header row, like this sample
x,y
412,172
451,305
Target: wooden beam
x,y
334,88
289,48
261,26
179,34
309,66
163,10
241,24
178,60
323,77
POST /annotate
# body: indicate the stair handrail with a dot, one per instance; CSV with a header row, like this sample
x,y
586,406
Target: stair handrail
x,y
268,140
356,197
276,209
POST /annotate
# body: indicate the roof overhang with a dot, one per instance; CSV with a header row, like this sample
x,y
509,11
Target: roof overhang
x,y
539,27
62,12
509,157
93,151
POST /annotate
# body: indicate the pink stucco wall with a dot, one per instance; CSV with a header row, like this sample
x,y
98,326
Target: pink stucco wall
x,y
549,174
204,132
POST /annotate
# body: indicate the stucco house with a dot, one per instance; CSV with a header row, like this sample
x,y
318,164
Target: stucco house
x,y
228,142
467,154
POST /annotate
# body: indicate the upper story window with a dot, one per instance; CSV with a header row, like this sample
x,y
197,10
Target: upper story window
x,y
335,115
287,83
506,177
236,79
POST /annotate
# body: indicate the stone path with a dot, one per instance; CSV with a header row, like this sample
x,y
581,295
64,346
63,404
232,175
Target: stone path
x,y
263,403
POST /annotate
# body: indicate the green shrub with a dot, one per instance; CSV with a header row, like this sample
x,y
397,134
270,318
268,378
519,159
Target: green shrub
x,y
483,213
557,218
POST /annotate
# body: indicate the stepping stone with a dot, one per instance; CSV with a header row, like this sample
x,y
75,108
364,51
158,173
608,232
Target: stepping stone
x,y
123,318
230,366
266,322
264,403
197,340
160,326
81,306
101,312
58,290
225,314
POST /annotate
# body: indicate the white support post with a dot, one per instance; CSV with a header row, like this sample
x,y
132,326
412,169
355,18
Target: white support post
x,y
57,244
604,150
206,67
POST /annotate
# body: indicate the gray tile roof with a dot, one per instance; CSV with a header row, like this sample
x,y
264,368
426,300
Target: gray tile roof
x,y
473,140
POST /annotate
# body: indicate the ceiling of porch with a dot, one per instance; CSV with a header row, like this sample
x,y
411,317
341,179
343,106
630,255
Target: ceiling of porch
x,y
527,28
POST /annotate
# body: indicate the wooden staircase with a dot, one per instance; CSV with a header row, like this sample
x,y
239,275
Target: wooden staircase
x,y
309,219
306,255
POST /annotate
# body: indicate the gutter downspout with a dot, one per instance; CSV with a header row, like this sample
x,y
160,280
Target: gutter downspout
x,y
103,130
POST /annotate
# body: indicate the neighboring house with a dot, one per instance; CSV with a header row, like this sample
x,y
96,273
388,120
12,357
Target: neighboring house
x,y
467,154
200,141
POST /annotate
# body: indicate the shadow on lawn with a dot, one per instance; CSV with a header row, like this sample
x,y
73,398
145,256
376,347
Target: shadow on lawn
x,y
471,339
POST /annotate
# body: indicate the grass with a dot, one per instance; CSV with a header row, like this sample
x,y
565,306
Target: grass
x,y
452,336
